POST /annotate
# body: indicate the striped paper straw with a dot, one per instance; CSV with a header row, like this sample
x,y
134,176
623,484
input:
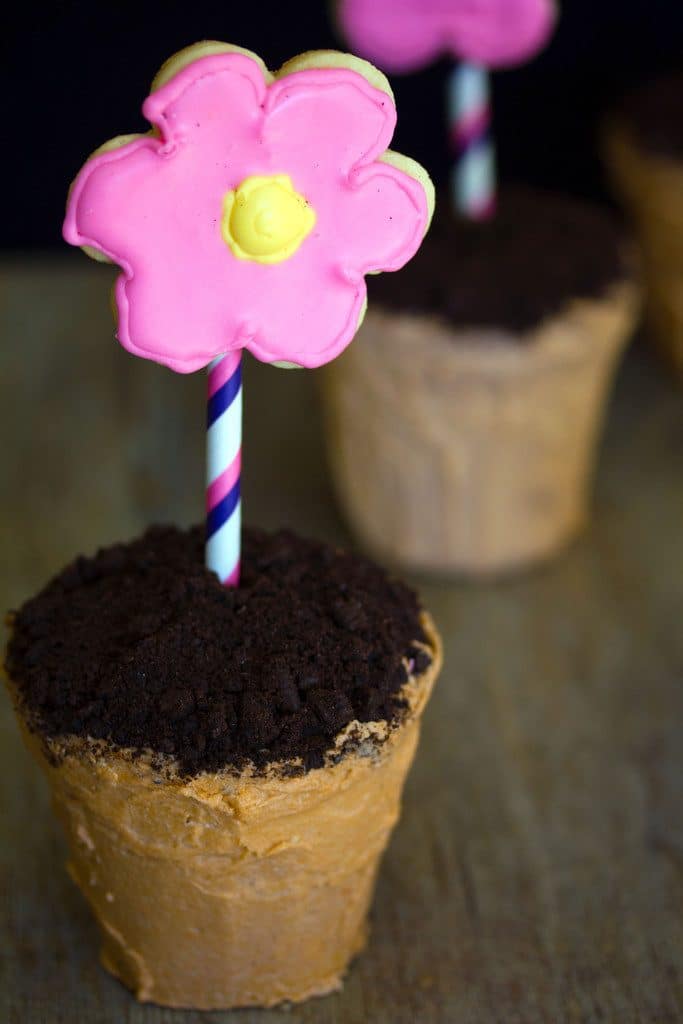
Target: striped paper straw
x,y
223,465
469,113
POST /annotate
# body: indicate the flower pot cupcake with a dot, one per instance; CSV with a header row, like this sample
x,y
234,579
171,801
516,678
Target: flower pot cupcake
x,y
462,427
644,153
227,762
227,737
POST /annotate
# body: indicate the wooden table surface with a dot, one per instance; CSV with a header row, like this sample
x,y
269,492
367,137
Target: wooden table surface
x,y
537,873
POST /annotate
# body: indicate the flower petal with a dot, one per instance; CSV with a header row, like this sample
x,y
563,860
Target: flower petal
x,y
208,101
382,219
499,33
181,321
107,190
136,204
399,35
322,122
312,313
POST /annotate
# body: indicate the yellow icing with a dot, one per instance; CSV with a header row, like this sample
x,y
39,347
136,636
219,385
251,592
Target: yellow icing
x,y
265,219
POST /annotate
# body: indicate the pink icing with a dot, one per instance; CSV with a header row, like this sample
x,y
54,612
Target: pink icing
x,y
153,206
400,35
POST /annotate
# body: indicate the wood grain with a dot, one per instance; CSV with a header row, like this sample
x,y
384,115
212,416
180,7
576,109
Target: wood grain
x,y
537,874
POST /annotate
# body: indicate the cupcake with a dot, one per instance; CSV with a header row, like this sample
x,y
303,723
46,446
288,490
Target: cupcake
x,y
227,763
644,154
462,426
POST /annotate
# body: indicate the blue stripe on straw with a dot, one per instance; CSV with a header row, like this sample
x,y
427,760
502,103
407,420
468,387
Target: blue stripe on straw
x,y
221,512
224,397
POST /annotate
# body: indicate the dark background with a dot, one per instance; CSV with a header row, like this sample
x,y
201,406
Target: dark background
x,y
76,74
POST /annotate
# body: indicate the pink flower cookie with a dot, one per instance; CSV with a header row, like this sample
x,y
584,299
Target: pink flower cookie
x,y
401,35
249,215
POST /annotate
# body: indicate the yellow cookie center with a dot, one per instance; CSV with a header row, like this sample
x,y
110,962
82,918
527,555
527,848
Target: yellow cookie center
x,y
265,219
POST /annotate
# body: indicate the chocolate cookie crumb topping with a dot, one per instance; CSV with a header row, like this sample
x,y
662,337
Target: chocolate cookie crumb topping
x,y
539,252
142,646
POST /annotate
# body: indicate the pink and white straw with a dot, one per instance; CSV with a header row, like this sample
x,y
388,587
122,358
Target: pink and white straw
x,y
223,466
469,112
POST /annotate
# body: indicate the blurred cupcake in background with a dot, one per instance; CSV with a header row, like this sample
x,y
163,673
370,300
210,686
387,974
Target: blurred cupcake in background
x,y
462,428
644,154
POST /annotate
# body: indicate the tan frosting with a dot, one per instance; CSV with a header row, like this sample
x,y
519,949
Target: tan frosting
x,y
471,450
233,889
